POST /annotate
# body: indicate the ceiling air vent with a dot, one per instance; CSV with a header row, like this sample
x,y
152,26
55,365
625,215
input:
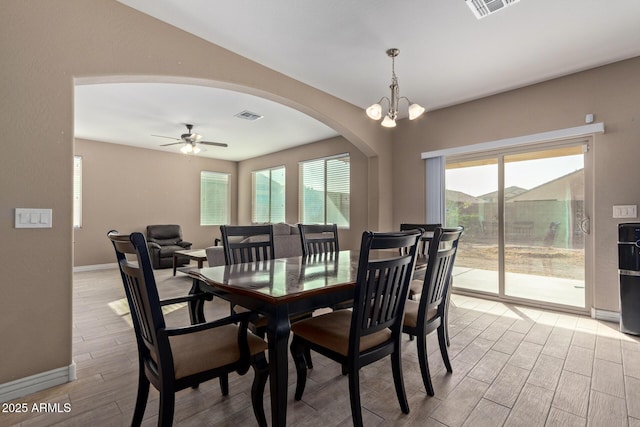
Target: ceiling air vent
x,y
248,115
483,8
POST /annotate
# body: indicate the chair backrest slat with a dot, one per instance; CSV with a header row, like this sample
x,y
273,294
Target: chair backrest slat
x,y
318,238
247,243
382,283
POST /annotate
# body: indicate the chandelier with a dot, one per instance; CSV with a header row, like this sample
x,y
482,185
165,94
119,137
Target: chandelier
x,y
375,111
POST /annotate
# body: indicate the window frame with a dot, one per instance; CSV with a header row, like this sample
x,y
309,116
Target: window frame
x,y
77,192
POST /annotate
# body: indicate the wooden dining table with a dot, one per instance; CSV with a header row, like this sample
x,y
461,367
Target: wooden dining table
x,y
278,289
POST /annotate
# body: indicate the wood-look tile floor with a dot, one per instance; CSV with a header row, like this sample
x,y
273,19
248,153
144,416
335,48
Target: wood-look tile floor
x,y
512,365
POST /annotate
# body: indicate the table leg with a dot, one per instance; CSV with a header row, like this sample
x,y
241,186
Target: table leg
x,y
175,263
196,307
278,334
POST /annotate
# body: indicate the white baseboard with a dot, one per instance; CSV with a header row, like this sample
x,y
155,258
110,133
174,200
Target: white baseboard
x,y
28,385
94,267
607,316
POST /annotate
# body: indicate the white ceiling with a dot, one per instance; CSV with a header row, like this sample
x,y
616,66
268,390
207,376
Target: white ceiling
x,y
447,57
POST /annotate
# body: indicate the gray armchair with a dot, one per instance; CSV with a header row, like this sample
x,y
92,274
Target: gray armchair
x,y
163,241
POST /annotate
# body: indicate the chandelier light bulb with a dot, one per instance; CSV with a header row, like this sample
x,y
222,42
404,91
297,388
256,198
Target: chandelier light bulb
x,y
415,111
388,122
186,148
374,112
196,150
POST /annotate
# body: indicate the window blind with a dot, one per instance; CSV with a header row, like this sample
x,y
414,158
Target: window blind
x,y
214,198
268,195
325,190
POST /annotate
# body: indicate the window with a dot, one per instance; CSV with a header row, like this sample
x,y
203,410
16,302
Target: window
x,y
77,191
325,190
268,195
214,198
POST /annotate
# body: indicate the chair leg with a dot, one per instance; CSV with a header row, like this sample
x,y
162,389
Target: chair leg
x,y
167,402
224,384
398,381
442,341
354,396
297,352
307,358
261,374
141,399
424,363
445,316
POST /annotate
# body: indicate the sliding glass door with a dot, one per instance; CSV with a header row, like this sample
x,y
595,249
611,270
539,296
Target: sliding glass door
x,y
525,224
472,201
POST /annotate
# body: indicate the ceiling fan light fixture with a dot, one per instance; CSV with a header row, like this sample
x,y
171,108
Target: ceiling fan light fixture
x,y
191,142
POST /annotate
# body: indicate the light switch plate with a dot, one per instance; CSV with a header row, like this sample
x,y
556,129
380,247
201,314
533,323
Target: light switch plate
x,y
33,218
625,211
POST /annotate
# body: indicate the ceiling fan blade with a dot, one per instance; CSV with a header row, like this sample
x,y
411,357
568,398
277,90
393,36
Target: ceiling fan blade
x,y
169,137
173,143
217,144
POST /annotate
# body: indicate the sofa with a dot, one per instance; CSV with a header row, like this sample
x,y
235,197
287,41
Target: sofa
x,y
163,241
286,243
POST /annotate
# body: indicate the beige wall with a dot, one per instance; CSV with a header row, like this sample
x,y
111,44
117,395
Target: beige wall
x,y
127,188
164,188
349,238
612,93
47,47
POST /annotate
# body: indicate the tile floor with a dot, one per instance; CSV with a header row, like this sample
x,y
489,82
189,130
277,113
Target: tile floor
x,y
512,366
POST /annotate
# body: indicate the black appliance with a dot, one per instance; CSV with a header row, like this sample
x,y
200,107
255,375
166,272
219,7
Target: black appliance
x,y
629,277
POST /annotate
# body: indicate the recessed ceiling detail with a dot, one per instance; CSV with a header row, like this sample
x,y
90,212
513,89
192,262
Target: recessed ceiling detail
x,y
484,8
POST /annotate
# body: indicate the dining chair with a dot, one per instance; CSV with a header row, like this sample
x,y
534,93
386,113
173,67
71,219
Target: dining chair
x,y
319,239
372,330
248,243
415,288
175,358
430,312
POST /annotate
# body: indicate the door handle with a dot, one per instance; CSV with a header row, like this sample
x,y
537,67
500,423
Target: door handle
x,y
585,225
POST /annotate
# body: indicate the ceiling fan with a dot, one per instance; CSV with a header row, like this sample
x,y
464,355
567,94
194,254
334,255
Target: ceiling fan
x,y
190,141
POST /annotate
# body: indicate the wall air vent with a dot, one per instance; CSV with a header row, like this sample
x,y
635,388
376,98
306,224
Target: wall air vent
x,y
248,115
483,8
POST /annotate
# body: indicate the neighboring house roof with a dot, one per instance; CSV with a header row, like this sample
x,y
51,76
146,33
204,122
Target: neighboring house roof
x,y
460,197
567,187
509,193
